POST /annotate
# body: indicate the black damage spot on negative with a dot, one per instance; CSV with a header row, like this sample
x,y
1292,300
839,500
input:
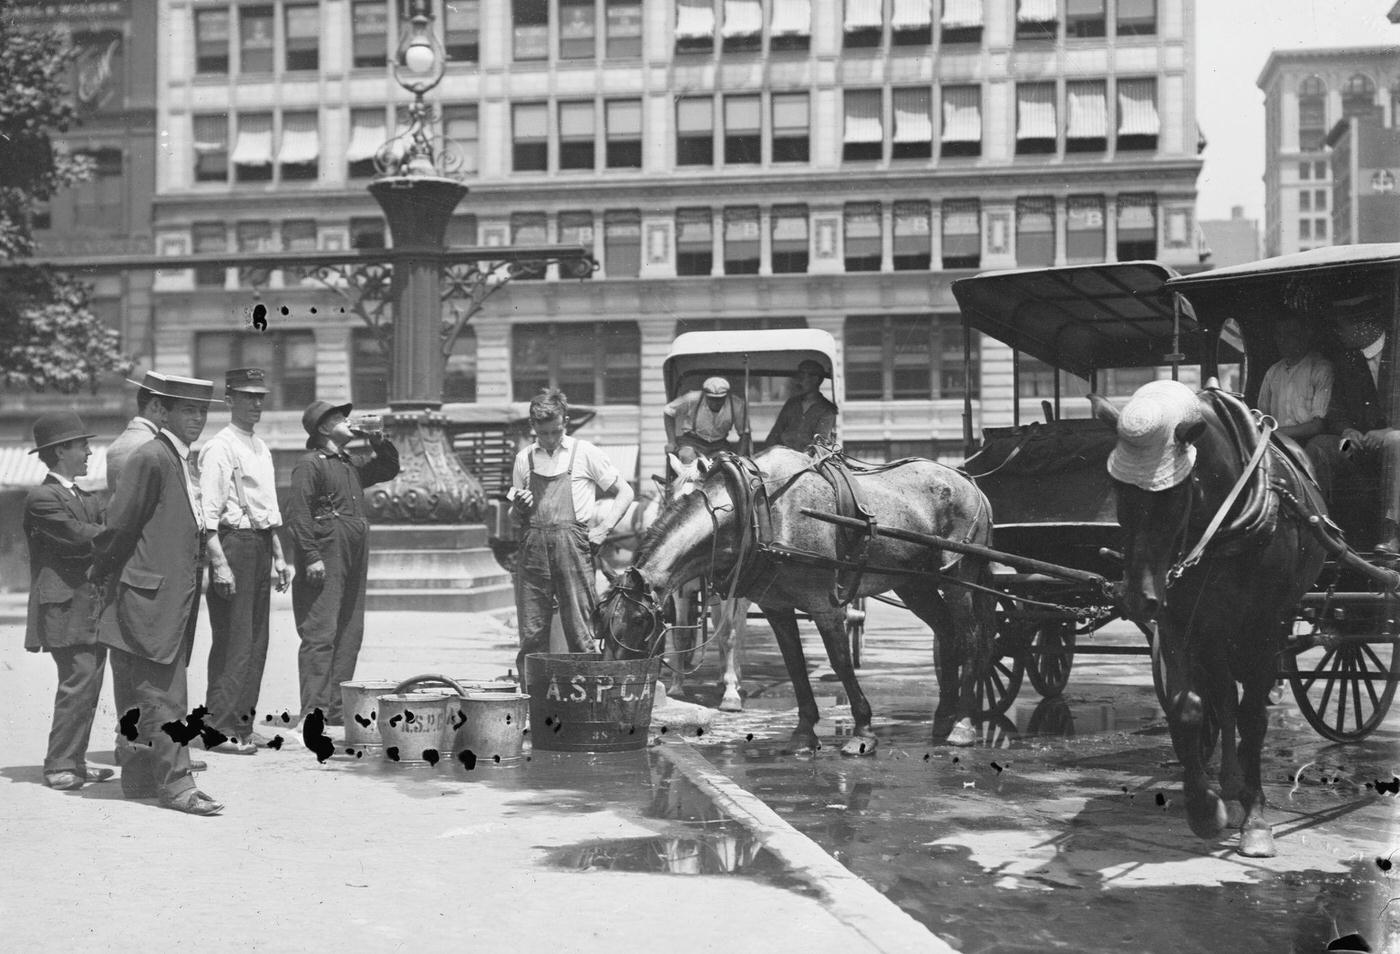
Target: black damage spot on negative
x,y
313,734
468,759
1391,787
392,753
260,316
431,756
1383,864
1161,800
127,724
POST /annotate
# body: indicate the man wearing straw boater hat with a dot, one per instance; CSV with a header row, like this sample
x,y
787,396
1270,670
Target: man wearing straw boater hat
x,y
148,561
61,520
149,419
237,485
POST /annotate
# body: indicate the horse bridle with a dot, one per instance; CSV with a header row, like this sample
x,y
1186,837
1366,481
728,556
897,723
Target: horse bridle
x,y
646,603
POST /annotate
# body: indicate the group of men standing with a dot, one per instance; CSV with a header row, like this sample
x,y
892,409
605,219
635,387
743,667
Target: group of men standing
x,y
123,584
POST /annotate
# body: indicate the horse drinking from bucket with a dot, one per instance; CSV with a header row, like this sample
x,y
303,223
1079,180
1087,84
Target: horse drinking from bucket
x,y
1217,554
744,529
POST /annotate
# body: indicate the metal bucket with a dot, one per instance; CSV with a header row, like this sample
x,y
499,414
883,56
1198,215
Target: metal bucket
x,y
579,703
411,724
359,701
491,726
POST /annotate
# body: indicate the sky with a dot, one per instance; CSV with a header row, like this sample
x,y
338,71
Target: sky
x,y
1233,41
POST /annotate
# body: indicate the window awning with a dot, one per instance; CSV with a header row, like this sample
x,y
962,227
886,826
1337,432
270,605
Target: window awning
x,y
743,18
791,18
1137,108
254,144
300,142
695,19
576,119
741,225
1088,111
911,15
863,15
695,115
863,221
962,114
1036,11
1084,213
365,138
912,120
911,218
863,118
790,227
1035,111
961,14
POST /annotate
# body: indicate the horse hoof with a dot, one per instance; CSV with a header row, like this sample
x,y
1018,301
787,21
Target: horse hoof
x,y
962,734
1206,814
860,745
1234,814
804,740
731,703
1257,843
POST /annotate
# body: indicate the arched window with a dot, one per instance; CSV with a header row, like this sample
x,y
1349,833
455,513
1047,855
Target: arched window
x,y
1312,114
1358,95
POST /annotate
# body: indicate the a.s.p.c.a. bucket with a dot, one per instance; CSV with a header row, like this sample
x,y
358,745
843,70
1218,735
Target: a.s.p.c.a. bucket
x,y
359,701
490,726
580,703
411,725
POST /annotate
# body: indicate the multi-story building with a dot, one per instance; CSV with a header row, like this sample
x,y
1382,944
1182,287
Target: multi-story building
x,y
756,163
1306,94
1365,161
1231,241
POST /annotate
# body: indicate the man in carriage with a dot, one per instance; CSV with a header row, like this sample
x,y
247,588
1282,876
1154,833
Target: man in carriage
x,y
700,422
807,415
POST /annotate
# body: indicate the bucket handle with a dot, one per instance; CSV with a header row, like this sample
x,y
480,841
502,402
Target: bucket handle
x,y
430,679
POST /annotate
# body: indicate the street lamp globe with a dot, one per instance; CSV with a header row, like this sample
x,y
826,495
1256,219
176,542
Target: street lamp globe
x,y
420,58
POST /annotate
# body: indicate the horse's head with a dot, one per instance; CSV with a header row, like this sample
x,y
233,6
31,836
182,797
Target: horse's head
x,y
628,618
686,478
1151,466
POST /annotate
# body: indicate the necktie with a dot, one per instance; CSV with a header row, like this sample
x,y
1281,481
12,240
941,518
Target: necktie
x,y
192,468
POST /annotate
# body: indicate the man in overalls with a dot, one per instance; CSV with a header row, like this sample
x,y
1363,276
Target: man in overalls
x,y
555,487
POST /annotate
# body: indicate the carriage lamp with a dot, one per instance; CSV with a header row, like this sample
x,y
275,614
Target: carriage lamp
x,y
421,61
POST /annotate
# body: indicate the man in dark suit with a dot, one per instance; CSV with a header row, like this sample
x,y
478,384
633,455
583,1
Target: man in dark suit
x,y
149,419
60,522
149,561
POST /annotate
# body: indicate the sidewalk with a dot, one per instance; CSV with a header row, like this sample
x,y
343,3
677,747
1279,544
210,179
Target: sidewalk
x,y
371,856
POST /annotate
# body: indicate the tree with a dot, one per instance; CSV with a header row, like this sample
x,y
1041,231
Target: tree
x,y
49,336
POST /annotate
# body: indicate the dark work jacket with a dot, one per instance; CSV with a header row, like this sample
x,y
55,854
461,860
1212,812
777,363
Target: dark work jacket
x,y
328,492
59,529
1355,401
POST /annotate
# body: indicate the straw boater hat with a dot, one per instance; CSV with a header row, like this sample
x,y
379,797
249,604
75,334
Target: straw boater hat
x,y
178,388
1148,455
58,427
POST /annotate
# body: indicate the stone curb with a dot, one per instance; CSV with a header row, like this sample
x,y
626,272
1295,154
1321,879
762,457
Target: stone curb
x,y
851,900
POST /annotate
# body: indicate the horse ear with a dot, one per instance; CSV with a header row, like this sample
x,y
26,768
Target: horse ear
x,y
676,465
632,578
1103,409
1188,432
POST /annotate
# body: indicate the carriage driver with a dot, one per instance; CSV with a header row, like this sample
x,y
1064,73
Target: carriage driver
x,y
699,422
807,414
555,488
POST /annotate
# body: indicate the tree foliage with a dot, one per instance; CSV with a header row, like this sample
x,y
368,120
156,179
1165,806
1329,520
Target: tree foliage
x,y
49,336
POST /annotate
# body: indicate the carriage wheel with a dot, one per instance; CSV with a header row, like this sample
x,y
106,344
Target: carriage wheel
x,y
997,687
1051,657
1052,717
1344,687
855,629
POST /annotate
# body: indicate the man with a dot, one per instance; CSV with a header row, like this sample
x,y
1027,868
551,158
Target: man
x,y
238,487
1297,388
699,422
326,517
149,419
60,522
807,415
555,487
148,560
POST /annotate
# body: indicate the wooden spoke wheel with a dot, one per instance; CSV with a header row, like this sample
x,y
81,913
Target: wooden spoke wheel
x,y
1344,684
1051,657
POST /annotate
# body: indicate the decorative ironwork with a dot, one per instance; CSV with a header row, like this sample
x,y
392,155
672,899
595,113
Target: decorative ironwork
x,y
431,486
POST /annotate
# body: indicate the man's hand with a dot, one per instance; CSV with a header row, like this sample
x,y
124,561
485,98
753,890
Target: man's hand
x,y
283,574
1352,441
223,581
375,438
597,535
1373,441
522,499
316,573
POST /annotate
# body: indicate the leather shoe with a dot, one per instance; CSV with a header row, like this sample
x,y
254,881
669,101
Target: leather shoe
x,y
192,802
233,747
64,781
98,774
255,738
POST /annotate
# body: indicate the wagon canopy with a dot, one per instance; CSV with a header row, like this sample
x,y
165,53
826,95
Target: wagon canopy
x,y
1082,317
696,355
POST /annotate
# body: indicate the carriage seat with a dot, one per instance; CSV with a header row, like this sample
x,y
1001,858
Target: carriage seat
x,y
1354,501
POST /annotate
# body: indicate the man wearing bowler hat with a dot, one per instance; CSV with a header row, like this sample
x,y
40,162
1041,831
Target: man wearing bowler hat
x,y
238,488
148,561
326,518
149,419
61,520
807,415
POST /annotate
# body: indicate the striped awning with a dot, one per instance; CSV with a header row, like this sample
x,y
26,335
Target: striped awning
x,y
1088,111
961,14
962,114
911,14
743,18
695,19
912,120
300,141
19,468
1035,111
623,457
1036,11
790,227
1137,108
864,15
863,117
254,144
366,137
791,18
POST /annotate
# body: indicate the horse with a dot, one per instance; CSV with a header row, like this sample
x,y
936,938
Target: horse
x,y
1218,593
744,529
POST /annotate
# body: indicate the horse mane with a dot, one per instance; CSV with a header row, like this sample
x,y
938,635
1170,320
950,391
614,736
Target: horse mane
x,y
670,515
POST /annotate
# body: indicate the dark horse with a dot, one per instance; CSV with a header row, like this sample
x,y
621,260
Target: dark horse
x,y
1219,599
745,524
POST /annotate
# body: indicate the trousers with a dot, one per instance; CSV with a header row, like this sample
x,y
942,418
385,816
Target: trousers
x,y
554,564
330,618
80,671
154,763
239,628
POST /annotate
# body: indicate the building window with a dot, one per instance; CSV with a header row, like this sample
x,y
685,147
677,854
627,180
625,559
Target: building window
x,y
790,244
211,148
253,237
98,202
209,238
211,36
791,129
1320,200
1137,227
743,26
461,29
695,131
1035,232
743,133
367,232
791,26
592,362
863,239
1088,18
624,29
576,228
1138,123
367,134
299,154
1036,20
624,132
576,135
695,242
530,131
864,137
1137,17
252,153
905,358
913,123
1305,229
459,374
370,45
369,369
1305,170
695,26
913,250
1087,128
1305,201
255,39
530,19
622,244
1035,119
303,23
578,29
288,358
911,23
461,230
961,22
962,121
459,124
1320,229
962,233
1312,114
299,235
1358,95
1084,230
528,228
864,23
741,241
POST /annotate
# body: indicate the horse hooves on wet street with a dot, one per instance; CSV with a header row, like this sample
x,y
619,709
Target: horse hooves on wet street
x,y
1257,843
962,734
860,745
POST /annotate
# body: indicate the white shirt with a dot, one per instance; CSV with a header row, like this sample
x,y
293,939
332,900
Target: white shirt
x,y
67,484
191,488
222,504
1372,353
1298,394
592,472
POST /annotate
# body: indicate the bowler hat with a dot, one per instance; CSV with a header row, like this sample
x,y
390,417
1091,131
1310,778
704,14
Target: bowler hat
x,y
715,387
251,380
58,427
312,417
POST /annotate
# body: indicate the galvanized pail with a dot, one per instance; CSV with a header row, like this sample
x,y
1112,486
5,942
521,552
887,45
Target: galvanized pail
x,y
491,726
411,725
359,700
